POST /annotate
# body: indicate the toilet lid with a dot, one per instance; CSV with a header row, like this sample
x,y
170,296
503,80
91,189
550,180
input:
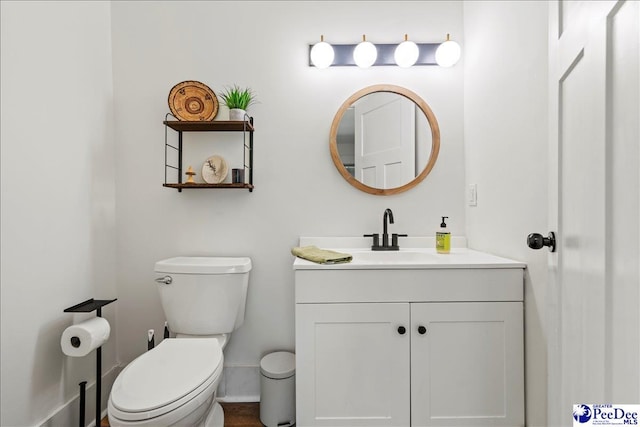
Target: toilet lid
x,y
167,376
204,265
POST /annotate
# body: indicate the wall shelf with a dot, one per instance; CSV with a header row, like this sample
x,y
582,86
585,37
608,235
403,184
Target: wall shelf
x,y
204,185
214,126
247,129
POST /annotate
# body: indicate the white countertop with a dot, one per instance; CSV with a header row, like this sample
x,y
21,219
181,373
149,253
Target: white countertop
x,y
414,253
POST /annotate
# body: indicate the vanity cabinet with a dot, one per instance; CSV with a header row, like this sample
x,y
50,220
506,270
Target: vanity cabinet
x,y
424,347
352,365
467,367
244,127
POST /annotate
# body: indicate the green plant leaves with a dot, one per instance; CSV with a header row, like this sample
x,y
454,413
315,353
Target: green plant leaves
x,y
236,97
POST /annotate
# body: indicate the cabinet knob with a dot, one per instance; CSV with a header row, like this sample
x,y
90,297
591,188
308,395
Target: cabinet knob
x,y
422,330
402,330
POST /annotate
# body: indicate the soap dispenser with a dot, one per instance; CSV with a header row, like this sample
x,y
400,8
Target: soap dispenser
x,y
443,238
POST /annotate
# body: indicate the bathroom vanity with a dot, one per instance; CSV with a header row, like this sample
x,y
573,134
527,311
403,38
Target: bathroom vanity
x,y
409,337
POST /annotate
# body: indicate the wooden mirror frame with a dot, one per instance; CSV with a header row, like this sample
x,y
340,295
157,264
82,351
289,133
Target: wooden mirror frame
x,y
435,139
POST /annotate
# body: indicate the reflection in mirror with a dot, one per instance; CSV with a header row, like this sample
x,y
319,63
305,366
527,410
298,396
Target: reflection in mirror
x,y
384,139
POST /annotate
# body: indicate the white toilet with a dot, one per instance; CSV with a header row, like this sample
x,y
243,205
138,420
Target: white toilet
x,y
174,384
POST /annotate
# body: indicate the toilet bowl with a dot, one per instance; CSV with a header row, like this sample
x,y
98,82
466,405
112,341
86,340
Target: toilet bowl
x,y
174,384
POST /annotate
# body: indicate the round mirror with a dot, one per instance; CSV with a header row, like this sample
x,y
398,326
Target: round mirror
x,y
384,139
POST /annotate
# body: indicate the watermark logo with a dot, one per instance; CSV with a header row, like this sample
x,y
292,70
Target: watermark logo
x,y
581,413
605,415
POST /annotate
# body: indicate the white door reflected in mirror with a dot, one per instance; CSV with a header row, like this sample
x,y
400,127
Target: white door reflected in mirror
x,y
381,143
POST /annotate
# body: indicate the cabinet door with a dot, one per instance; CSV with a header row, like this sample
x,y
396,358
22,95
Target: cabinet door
x,y
352,365
467,369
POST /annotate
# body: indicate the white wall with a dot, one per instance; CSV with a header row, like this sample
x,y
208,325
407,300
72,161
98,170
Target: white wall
x,y
58,202
298,190
59,54
505,128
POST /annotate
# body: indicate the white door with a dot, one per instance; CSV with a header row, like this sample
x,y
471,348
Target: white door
x,y
385,140
467,364
352,364
593,321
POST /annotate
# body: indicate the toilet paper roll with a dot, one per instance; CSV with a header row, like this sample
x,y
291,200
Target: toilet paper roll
x,y
78,340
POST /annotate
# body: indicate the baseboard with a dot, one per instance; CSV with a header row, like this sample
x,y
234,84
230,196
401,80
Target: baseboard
x,y
239,399
68,414
239,384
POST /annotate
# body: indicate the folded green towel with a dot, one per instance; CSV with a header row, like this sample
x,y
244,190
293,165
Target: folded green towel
x,y
321,256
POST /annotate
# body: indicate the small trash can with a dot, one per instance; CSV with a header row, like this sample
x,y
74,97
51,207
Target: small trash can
x,y
278,389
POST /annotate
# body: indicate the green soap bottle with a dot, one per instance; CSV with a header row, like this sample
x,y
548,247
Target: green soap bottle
x,y
443,238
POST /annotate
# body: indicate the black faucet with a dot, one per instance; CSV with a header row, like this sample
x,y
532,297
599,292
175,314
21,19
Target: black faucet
x,y
388,215
386,219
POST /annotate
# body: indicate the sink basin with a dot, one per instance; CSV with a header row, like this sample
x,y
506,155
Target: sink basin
x,y
393,257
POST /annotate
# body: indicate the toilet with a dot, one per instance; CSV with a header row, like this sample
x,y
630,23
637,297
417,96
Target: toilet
x,y
174,384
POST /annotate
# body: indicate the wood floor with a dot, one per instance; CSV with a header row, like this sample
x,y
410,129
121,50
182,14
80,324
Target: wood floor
x,y
241,414
235,415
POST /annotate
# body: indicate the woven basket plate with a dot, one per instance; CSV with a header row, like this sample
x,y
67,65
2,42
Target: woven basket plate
x,y
193,101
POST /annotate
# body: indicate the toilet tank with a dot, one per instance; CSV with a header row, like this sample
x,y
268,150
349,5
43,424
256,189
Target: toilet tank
x,y
203,295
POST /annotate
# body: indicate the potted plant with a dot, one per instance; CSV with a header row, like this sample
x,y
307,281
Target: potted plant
x,y
237,99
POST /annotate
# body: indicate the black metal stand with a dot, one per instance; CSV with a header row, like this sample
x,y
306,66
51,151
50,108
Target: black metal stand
x,y
83,388
87,307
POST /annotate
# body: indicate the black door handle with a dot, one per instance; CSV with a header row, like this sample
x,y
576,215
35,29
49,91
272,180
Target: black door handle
x,y
402,330
422,330
537,241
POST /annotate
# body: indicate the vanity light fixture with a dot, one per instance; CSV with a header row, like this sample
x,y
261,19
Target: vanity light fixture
x,y
406,54
322,54
448,53
365,54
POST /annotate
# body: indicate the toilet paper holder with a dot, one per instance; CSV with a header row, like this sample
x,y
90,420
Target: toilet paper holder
x,y
87,307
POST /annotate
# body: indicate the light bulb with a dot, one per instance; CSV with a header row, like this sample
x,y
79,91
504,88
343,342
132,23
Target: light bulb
x,y
322,54
448,53
365,54
406,53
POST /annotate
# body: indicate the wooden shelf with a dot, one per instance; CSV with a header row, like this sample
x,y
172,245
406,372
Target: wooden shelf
x,y
212,126
203,185
247,129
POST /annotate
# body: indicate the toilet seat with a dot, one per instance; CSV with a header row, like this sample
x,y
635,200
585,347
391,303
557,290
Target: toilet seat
x,y
166,378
